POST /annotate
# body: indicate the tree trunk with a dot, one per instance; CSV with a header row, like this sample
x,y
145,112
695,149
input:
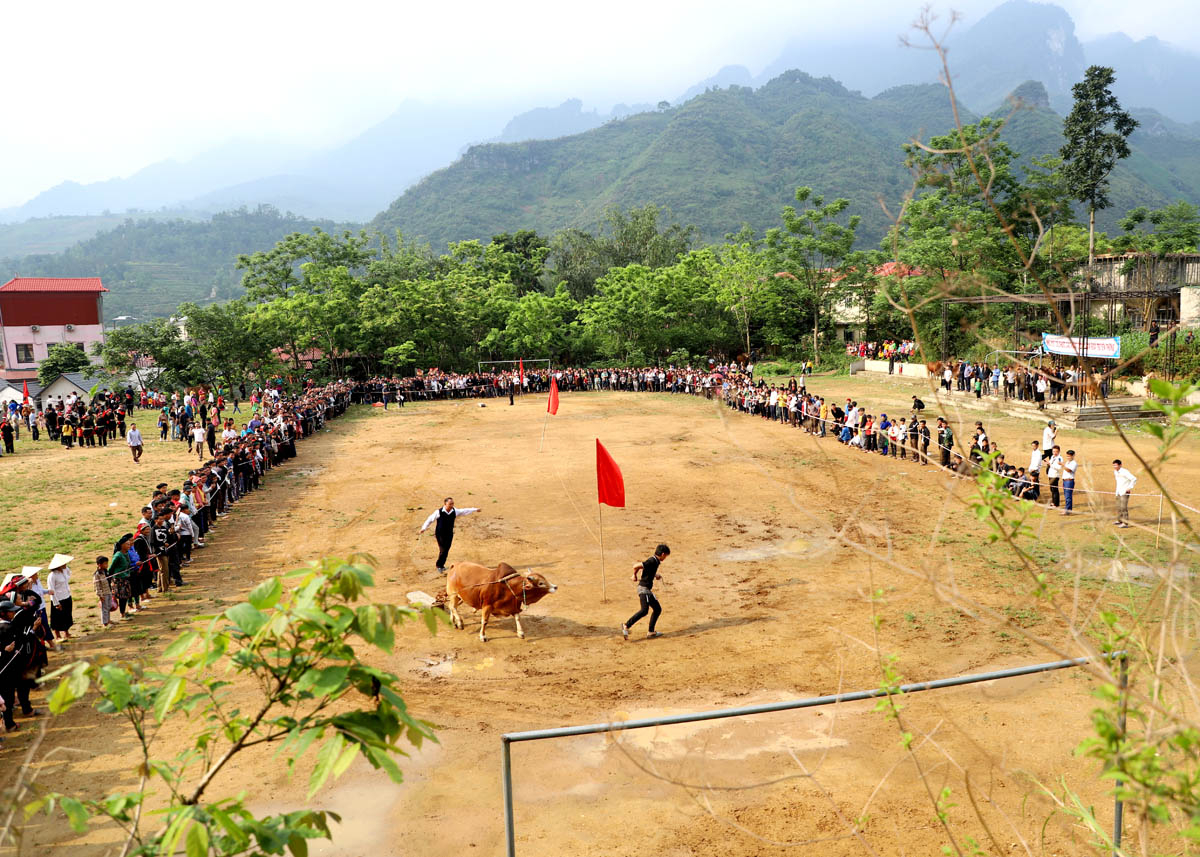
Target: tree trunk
x,y
1091,239
816,340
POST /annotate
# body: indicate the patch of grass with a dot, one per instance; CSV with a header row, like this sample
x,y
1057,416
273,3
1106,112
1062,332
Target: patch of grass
x,y
1024,617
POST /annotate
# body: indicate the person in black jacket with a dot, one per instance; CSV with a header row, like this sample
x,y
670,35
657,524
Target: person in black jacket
x,y
19,656
444,531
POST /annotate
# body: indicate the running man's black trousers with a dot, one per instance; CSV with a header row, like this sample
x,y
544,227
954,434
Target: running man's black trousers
x,y
649,605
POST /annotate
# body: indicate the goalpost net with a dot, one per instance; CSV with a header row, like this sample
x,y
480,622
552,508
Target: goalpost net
x,y
504,363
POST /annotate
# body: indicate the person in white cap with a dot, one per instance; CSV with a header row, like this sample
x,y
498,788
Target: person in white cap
x,y
1049,435
59,583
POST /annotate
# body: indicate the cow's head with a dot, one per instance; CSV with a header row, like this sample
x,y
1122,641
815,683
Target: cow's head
x,y
535,587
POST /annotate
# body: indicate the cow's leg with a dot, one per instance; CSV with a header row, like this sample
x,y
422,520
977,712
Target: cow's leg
x,y
484,612
520,630
452,602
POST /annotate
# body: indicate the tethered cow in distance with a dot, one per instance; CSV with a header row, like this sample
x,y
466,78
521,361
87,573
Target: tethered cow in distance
x,y
500,591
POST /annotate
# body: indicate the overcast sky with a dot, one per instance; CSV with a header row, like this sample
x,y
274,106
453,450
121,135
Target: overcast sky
x,y
97,90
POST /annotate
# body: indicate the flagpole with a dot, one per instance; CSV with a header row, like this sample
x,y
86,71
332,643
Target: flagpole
x,y
545,422
603,593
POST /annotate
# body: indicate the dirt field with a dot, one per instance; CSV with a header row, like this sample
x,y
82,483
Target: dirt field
x,y
764,601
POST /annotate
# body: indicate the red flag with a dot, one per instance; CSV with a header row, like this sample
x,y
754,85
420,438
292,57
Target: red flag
x,y
522,368
26,391
552,405
610,487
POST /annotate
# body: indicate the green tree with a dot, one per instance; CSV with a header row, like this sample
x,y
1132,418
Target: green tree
x,y
635,237
61,358
292,646
154,352
221,340
811,249
1096,132
1172,229
522,258
743,281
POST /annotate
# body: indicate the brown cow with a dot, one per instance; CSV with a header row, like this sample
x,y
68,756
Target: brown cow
x,y
499,591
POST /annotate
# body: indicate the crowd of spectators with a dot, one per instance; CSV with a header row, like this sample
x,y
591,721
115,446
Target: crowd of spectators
x,y
150,558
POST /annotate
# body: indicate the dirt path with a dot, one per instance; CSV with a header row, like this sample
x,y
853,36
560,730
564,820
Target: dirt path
x,y
763,602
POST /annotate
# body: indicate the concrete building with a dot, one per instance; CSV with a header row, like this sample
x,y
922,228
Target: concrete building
x,y
1148,287
37,312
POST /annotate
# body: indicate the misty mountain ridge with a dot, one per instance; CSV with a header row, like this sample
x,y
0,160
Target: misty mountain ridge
x,y
734,156
1016,42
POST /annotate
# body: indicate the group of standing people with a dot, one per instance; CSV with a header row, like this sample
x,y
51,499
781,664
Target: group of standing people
x,y
150,558
28,632
1021,383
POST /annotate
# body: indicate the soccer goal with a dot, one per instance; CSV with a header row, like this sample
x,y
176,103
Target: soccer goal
x,y
505,363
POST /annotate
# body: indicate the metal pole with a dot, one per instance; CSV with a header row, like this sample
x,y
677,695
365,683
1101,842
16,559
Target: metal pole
x,y
545,422
510,738
603,592
1119,807
1158,532
791,705
945,333
510,832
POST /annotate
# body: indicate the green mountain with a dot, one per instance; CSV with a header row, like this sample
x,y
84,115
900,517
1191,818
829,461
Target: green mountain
x,y
736,155
152,266
1164,166
726,157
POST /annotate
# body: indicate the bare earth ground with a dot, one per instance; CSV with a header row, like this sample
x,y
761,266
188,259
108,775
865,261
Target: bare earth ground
x,y
763,602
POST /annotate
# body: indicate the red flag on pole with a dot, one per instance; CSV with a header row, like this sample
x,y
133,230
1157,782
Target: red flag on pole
x,y
610,486
26,391
552,405
522,368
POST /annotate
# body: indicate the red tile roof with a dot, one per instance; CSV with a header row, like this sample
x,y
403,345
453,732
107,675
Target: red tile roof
x,y
53,284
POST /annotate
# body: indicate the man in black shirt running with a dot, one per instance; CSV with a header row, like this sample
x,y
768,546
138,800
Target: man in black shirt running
x,y
645,573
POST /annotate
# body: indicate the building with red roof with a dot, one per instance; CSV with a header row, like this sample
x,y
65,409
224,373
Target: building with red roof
x,y
37,312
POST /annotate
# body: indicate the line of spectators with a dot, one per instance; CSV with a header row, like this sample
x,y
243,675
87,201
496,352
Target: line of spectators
x,y
148,560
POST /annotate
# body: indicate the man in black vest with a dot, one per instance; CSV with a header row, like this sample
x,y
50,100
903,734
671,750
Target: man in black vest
x,y
444,531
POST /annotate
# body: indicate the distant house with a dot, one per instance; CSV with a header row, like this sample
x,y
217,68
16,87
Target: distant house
x,y
37,312
14,391
849,315
1150,287
65,385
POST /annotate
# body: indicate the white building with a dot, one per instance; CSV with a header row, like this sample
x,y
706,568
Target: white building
x,y
37,312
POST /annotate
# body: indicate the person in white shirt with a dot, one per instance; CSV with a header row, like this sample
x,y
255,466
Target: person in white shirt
x,y
1125,482
134,438
1049,435
1035,458
59,587
444,531
1068,481
198,432
1054,470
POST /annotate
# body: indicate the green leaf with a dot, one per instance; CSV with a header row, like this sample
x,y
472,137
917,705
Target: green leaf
x,y
324,681
115,682
168,694
77,814
229,826
196,844
431,621
327,757
71,689
246,617
1163,389
267,594
181,644
348,755
298,845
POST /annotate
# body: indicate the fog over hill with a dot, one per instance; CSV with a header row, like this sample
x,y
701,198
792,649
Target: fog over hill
x,y
1017,41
